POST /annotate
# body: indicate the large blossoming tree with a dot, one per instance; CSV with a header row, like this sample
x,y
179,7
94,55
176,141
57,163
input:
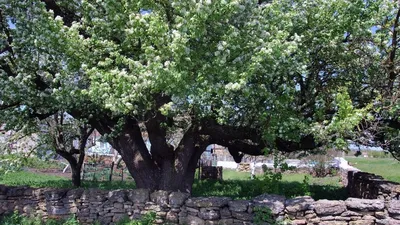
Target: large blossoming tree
x,y
251,76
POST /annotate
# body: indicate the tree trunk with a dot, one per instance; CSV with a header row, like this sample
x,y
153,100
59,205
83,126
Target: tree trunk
x,y
161,168
175,174
75,164
76,176
134,153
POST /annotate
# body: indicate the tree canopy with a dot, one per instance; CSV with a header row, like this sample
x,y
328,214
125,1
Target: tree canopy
x,y
249,75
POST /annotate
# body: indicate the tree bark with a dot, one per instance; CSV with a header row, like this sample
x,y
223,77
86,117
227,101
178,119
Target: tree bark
x,y
76,176
161,167
76,166
130,145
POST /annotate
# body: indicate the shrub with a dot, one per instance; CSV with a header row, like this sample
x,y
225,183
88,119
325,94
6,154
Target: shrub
x,y
379,154
263,215
15,162
147,219
17,219
320,163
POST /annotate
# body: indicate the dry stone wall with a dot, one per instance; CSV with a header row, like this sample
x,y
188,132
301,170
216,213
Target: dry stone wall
x,y
211,172
371,186
107,207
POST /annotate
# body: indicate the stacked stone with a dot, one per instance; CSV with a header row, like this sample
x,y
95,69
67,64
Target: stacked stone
x,y
176,201
133,204
203,210
371,186
352,211
166,205
5,204
22,199
41,208
222,210
244,167
211,172
108,207
55,204
300,210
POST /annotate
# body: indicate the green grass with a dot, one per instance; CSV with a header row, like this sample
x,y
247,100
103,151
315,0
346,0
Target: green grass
x,y
17,219
24,178
229,174
386,167
286,177
34,162
247,189
239,185
236,185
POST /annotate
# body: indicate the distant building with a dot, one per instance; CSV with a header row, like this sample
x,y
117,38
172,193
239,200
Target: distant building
x,y
99,146
13,143
356,147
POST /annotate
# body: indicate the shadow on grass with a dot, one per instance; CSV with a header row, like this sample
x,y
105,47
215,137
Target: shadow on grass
x,y
237,189
247,189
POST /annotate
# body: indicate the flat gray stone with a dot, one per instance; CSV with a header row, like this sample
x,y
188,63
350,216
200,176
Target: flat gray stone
x,y
362,222
274,202
329,207
205,202
172,217
55,195
350,213
394,207
118,196
139,195
365,204
388,221
207,214
177,199
16,191
191,220
75,193
239,205
299,204
333,223
243,216
3,190
159,197
94,195
225,213
56,211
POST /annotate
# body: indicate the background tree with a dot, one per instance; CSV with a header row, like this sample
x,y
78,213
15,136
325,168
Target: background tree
x,y
69,138
378,90
247,75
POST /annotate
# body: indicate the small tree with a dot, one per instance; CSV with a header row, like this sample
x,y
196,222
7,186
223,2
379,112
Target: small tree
x,y
69,139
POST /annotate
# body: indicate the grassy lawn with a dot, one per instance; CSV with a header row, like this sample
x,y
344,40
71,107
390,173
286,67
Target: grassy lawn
x,y
236,185
287,177
25,178
388,168
239,184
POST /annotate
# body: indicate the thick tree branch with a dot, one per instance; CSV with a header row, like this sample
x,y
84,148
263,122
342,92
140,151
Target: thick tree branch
x,y
226,133
156,125
67,15
245,140
392,55
7,106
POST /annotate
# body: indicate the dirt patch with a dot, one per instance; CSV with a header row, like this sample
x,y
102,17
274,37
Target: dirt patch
x,y
53,172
